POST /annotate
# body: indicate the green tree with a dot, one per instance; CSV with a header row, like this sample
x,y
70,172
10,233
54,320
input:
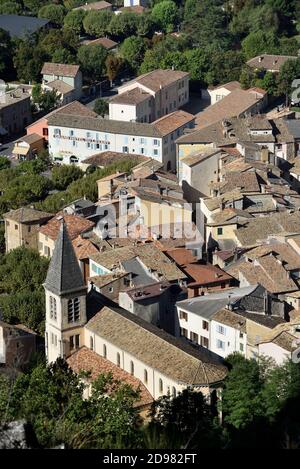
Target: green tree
x,y
260,42
55,13
28,61
269,83
4,163
92,60
74,20
63,175
26,188
45,100
6,53
63,56
132,50
10,8
185,421
145,26
151,61
123,25
22,273
34,5
97,23
241,398
101,107
50,398
165,15
113,65
248,77
289,72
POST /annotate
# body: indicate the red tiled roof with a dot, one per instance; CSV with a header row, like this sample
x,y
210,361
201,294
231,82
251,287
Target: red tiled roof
x,y
87,360
181,256
205,274
75,226
83,248
64,70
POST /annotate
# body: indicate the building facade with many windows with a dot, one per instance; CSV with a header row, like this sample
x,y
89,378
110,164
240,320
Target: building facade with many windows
x,y
72,139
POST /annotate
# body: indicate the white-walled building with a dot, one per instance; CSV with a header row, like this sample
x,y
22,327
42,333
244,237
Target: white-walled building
x,y
195,318
75,319
198,170
134,3
73,139
217,93
228,333
283,344
64,78
150,96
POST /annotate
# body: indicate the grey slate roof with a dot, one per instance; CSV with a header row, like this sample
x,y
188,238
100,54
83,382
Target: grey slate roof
x,y
206,306
64,274
20,26
293,126
103,125
140,276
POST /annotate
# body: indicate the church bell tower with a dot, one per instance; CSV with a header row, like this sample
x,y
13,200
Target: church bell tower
x,y
65,300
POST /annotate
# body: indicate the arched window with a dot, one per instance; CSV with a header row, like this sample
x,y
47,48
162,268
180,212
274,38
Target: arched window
x,y
104,351
53,313
132,367
145,376
91,343
161,386
73,310
173,392
118,359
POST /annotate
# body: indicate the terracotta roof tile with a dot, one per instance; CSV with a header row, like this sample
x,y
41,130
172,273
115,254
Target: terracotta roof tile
x,y
83,248
75,226
156,348
65,70
87,360
269,62
158,78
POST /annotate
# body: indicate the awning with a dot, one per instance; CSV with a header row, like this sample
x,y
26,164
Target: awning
x,y
20,150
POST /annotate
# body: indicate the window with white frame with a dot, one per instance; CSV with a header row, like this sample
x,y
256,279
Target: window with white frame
x,y
220,344
57,133
221,329
73,310
156,142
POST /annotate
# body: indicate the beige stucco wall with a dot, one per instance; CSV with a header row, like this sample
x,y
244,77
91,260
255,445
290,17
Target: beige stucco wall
x,y
45,244
153,375
153,214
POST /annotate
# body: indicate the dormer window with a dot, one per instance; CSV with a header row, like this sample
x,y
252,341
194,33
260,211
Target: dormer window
x,y
73,310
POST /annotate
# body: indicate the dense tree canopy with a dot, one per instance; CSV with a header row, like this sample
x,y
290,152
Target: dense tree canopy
x,y
92,60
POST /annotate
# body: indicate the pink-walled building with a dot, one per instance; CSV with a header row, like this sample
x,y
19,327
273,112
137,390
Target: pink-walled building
x,y
40,127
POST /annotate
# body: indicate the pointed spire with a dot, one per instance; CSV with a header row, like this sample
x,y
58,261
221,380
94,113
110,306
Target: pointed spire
x,y
64,274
